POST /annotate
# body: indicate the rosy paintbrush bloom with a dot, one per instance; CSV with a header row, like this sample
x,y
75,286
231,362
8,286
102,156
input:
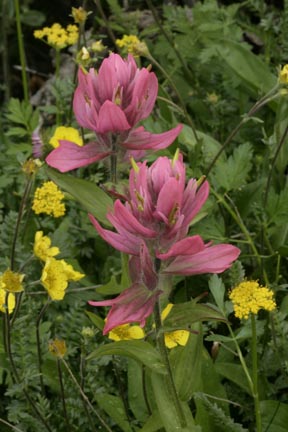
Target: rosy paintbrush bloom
x,y
111,102
152,226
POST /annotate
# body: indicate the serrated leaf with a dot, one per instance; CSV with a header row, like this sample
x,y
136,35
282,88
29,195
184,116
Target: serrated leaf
x,y
90,196
138,350
217,289
233,173
16,131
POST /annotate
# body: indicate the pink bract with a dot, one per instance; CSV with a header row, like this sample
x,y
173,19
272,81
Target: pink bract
x,y
111,103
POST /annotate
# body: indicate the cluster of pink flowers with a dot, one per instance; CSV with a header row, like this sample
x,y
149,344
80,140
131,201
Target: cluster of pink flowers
x,y
152,223
111,102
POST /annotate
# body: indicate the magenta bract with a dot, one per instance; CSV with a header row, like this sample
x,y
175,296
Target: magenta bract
x,y
111,103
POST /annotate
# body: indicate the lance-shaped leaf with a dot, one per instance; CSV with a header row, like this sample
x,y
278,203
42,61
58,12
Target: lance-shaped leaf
x,y
183,315
135,349
89,195
114,407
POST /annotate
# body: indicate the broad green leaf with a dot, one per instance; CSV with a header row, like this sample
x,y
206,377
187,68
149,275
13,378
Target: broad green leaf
x,y
183,315
90,196
186,363
114,407
233,173
167,410
153,424
274,416
136,398
234,373
254,73
138,350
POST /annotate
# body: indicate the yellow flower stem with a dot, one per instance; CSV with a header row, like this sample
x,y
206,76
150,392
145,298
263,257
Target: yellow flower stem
x,y
258,105
165,358
255,374
106,21
82,383
84,396
242,360
38,341
21,51
6,423
14,372
59,370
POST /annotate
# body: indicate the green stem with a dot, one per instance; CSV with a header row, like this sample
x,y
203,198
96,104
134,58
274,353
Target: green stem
x,y
165,358
40,316
19,218
5,57
82,383
258,105
182,103
62,393
255,374
16,429
85,398
57,77
21,51
106,21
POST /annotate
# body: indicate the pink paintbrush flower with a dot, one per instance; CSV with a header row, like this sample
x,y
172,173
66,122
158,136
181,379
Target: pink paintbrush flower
x,y
111,103
152,226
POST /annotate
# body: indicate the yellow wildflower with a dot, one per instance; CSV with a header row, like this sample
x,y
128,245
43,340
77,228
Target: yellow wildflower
x,y
177,337
42,249
212,98
57,347
66,134
31,166
79,14
11,301
57,36
55,277
126,332
11,281
249,297
283,75
132,45
98,46
47,199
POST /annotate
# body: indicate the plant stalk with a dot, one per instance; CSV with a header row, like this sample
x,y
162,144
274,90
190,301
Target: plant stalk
x,y
255,374
40,316
21,51
165,358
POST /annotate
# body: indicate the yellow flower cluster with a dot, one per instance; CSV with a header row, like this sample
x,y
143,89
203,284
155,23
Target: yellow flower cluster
x,y
65,134
48,199
283,75
57,36
128,332
249,297
56,273
132,45
10,282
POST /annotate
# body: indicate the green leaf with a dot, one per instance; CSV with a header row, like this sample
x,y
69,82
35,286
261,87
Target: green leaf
x,y
92,198
167,410
112,287
153,424
138,350
274,416
217,289
96,320
234,373
186,363
114,407
32,18
232,174
136,397
254,73
183,315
